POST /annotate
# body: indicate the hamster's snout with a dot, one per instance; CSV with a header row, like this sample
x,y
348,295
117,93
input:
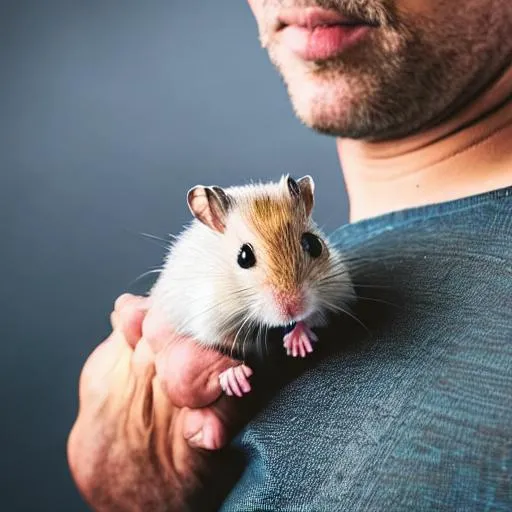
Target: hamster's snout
x,y
290,304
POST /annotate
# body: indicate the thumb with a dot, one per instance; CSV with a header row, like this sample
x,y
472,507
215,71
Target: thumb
x,y
190,373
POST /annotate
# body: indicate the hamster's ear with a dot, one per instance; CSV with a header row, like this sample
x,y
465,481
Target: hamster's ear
x,y
209,205
303,188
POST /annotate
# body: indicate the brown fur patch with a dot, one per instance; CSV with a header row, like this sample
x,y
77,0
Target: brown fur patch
x,y
279,223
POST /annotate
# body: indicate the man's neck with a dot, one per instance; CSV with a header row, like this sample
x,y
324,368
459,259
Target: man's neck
x,y
469,154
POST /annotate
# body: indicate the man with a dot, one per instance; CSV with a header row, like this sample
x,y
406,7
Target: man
x,y
414,413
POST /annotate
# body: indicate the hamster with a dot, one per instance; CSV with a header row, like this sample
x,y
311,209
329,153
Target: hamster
x,y
252,259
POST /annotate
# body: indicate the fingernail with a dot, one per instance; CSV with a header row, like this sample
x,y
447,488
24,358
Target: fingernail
x,y
196,439
203,439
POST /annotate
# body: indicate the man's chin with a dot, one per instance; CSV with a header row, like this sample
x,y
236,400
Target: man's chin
x,y
332,120
342,124
326,106
335,109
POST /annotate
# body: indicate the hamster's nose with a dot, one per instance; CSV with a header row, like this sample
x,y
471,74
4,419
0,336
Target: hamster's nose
x,y
294,307
291,304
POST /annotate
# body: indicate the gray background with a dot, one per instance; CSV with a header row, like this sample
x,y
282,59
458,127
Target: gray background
x,y
109,112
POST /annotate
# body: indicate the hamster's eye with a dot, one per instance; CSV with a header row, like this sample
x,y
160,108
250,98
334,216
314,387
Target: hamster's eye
x,y
311,244
246,258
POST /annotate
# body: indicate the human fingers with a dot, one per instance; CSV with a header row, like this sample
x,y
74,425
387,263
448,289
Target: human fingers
x,y
128,316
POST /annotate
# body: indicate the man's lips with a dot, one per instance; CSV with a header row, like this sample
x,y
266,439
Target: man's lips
x,y
313,17
319,34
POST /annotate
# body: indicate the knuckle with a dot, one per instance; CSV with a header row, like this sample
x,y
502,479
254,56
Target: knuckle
x,y
123,300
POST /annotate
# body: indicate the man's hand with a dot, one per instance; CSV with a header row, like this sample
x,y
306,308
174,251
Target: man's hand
x,y
151,416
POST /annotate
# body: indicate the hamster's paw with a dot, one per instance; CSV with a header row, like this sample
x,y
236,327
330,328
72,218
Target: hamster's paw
x,y
298,341
234,381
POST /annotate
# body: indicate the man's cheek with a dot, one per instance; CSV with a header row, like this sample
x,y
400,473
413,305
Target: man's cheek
x,y
410,8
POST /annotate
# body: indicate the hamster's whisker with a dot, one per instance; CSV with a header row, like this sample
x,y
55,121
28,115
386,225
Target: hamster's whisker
x,y
265,337
331,280
357,263
253,330
249,330
334,278
334,307
232,323
236,336
330,286
336,271
373,299
155,238
326,282
376,286
152,238
149,272
357,259
247,319
263,331
214,306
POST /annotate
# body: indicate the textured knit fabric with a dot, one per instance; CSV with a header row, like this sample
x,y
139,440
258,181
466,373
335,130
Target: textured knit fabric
x,y
413,411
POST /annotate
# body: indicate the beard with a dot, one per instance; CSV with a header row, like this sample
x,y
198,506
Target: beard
x,y
410,71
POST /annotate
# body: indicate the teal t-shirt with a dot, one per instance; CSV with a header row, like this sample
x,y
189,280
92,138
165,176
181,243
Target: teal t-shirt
x,y
413,410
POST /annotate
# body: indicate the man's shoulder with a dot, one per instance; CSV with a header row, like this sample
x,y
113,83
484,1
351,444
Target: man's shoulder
x,y
468,218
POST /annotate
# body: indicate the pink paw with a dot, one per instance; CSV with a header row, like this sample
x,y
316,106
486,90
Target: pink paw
x,y
298,341
233,381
